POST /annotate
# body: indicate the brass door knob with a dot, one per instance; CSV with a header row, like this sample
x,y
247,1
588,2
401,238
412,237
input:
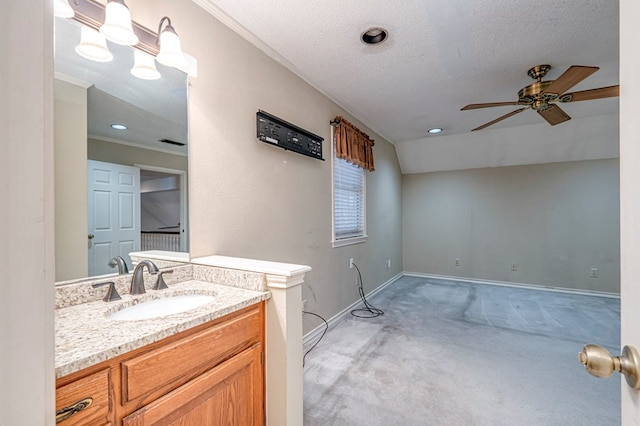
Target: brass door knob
x,y
599,362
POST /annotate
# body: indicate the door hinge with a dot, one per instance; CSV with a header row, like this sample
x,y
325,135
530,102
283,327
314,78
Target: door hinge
x,y
261,358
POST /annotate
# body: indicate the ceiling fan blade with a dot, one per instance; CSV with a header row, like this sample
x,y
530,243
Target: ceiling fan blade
x,y
554,115
587,95
499,119
488,105
574,75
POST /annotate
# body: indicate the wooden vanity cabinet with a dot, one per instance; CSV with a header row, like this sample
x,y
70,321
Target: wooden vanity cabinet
x,y
212,374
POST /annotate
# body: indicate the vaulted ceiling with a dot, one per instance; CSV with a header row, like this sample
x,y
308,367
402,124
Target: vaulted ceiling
x,y
441,55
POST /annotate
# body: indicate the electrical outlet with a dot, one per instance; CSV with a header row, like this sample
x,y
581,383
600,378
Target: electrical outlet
x,y
351,263
304,304
514,267
457,262
388,263
594,272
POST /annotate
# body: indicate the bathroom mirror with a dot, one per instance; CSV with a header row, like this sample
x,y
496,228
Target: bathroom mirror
x,y
95,221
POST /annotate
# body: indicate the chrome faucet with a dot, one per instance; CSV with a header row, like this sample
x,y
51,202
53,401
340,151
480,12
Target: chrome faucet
x,y
122,265
137,282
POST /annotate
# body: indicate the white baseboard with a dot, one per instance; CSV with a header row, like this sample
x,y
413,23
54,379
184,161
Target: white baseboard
x,y
310,337
518,285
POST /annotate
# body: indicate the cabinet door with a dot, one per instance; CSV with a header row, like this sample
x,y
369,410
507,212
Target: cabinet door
x,y
229,394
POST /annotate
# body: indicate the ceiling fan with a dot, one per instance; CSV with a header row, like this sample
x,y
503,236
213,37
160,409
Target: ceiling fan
x,y
542,95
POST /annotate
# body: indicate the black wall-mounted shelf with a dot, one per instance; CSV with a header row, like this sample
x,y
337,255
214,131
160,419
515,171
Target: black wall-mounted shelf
x,y
280,133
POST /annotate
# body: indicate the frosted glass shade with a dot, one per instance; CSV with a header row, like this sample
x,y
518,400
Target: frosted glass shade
x,y
170,49
62,9
145,66
93,45
117,24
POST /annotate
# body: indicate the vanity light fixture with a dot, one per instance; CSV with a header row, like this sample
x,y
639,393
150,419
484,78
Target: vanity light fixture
x,y
145,66
434,130
170,50
114,22
62,9
93,45
119,127
117,25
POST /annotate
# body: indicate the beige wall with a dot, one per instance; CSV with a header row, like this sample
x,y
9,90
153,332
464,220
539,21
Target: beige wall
x,y
27,216
555,221
70,135
252,200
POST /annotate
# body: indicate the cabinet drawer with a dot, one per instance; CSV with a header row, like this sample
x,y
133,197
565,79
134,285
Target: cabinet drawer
x,y
94,390
231,394
175,363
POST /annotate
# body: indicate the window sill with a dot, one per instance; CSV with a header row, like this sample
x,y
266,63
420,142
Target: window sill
x,y
348,241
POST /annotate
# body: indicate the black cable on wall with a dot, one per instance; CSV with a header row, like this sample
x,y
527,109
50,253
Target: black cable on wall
x,y
369,311
326,327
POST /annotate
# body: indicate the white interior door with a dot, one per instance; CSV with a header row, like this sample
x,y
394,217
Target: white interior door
x,y
113,214
629,194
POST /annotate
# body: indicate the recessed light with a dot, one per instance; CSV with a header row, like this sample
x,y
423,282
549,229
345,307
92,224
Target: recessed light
x,y
374,35
119,126
435,130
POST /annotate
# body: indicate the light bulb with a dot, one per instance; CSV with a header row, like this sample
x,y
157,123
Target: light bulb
x,y
170,49
117,24
145,66
93,45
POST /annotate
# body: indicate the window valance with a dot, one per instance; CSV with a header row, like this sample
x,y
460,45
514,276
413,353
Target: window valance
x,y
352,144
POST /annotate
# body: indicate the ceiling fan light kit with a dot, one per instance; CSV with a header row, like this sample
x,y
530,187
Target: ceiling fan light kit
x,y
542,96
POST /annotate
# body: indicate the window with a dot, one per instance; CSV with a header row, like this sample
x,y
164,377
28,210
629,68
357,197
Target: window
x,y
348,203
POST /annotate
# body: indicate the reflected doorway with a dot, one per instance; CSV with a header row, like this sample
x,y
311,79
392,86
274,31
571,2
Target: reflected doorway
x,y
163,209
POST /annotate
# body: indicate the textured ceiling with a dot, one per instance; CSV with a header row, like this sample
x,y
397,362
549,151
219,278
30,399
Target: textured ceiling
x,y
440,55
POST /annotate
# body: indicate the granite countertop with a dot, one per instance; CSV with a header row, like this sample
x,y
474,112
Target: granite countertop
x,y
85,336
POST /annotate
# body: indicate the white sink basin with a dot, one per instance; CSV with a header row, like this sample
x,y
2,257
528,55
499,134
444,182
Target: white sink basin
x,y
161,307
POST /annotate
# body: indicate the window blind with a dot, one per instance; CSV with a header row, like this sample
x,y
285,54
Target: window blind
x,y
348,199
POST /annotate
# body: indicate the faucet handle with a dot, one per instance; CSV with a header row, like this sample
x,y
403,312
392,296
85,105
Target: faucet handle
x,y
112,293
160,283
